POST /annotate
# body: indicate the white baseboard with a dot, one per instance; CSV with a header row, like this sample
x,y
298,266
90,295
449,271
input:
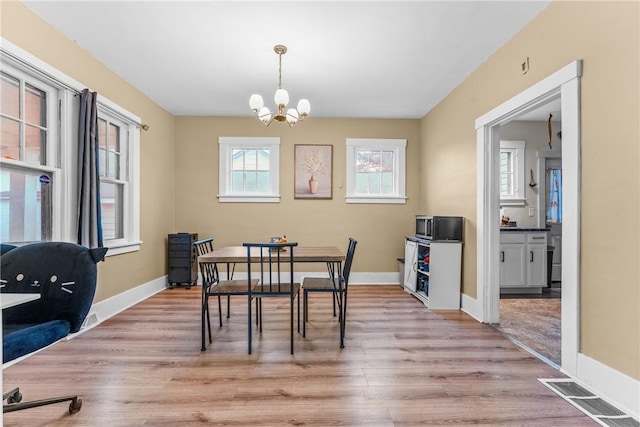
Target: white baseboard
x,y
105,309
471,307
620,390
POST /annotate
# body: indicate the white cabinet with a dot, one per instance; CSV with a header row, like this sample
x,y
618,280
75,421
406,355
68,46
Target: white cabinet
x,y
523,262
432,272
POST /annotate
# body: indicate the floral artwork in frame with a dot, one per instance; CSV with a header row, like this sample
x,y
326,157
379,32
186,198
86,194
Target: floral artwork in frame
x,y
313,171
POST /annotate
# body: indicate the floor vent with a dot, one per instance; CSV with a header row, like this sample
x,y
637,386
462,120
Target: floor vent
x,y
594,406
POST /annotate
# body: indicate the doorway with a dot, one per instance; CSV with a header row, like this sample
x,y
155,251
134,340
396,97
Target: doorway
x,y
565,83
530,316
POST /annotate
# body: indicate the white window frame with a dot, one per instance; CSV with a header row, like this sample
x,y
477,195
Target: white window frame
x,y
129,176
517,197
398,146
226,146
64,170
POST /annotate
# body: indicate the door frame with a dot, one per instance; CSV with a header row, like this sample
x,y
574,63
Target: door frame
x,y
563,84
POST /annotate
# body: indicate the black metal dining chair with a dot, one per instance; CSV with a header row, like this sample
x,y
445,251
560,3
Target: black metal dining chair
x,y
212,286
337,286
272,265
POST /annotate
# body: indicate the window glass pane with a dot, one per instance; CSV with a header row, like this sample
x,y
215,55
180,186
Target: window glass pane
x,y
363,161
237,159
35,106
262,184
111,202
250,181
263,160
506,185
10,143
237,181
362,183
387,161
114,165
10,99
102,133
35,145
386,186
25,206
374,183
250,159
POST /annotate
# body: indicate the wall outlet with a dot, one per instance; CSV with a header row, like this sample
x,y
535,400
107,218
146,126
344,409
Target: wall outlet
x,y
532,211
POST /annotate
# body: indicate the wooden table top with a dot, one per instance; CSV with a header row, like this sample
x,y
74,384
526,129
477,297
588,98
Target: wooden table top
x,y
300,254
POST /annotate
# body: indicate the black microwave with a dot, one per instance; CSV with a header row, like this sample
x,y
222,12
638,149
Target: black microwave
x,y
439,227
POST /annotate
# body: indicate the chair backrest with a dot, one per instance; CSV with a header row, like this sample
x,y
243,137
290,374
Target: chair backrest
x,y
351,250
268,262
203,246
208,271
63,273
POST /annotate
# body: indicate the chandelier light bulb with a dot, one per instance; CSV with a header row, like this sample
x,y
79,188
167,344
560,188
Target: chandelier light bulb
x,y
304,107
264,114
281,98
292,116
256,102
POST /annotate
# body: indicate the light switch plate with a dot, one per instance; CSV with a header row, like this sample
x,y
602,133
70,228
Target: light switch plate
x,y
532,211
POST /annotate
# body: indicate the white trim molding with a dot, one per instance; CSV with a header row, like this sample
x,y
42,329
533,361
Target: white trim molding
x,y
565,83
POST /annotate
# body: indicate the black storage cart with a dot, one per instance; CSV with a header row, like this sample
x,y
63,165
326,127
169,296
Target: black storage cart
x,y
183,261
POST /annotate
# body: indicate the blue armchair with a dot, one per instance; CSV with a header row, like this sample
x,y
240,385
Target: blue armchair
x,y
64,275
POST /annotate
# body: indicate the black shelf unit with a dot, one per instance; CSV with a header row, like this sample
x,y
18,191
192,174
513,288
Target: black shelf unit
x,y
183,260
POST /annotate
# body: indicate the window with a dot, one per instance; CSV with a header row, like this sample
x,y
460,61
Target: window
x,y
376,170
38,157
28,149
249,169
512,173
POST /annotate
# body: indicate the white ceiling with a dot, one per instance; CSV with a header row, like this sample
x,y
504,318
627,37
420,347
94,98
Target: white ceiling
x,y
355,59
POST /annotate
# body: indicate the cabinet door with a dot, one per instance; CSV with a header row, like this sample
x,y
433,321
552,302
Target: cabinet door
x,y
410,264
512,265
537,265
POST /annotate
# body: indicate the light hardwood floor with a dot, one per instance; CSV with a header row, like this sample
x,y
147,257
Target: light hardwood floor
x,y
402,365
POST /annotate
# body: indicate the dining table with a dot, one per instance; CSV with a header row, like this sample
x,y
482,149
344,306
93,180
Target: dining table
x,y
332,256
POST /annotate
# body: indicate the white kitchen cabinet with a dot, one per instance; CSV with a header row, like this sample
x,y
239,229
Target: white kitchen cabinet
x,y
523,262
432,272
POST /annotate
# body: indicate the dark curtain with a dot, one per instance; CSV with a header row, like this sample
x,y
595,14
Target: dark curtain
x,y
89,217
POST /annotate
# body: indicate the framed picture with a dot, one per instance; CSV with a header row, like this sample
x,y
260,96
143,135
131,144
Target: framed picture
x,y
313,171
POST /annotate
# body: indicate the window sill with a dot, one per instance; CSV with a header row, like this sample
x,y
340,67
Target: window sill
x,y
122,248
512,202
246,199
383,200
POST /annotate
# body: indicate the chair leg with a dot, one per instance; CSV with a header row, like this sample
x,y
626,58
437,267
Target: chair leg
x,y
208,320
304,313
333,298
249,322
291,320
220,311
228,306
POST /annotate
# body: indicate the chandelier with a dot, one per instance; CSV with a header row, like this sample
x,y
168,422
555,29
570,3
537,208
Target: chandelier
x,y
292,115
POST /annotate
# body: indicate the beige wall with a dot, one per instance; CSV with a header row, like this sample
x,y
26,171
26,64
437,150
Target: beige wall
x,y
441,162
118,273
605,36
379,229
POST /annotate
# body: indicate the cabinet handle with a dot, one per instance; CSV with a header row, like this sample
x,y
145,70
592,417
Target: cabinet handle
x,y
530,256
501,256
